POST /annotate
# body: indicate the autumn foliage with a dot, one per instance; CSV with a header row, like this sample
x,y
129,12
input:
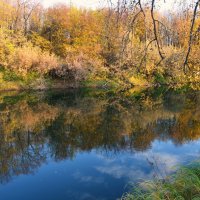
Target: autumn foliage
x,y
113,44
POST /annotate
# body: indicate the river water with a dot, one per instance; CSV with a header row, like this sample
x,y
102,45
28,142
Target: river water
x,y
93,144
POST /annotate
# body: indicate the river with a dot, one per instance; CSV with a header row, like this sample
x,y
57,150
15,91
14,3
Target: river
x,y
91,144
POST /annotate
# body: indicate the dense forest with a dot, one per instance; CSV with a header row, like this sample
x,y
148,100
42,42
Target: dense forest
x,y
128,43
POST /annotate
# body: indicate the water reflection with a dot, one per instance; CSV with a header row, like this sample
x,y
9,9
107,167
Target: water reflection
x,y
59,125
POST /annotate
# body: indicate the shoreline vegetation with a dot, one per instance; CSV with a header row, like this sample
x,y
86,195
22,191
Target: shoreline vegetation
x,y
118,46
9,81
183,184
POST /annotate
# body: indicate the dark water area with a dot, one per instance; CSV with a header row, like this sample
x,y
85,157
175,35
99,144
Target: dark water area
x,y
93,144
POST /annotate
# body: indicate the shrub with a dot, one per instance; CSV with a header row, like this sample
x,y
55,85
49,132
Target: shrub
x,y
10,76
40,41
32,59
6,48
72,69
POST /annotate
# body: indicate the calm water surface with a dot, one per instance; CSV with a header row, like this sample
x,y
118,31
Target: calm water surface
x,y
86,145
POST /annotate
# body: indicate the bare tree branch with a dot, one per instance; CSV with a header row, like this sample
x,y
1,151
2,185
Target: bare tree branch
x,y
191,37
155,31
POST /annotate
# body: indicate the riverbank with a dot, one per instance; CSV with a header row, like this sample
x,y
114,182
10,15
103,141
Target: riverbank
x,y
11,81
184,184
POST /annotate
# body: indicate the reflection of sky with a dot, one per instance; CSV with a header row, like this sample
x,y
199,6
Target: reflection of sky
x,y
165,155
96,175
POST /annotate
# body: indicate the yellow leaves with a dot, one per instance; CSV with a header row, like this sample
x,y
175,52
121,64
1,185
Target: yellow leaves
x,y
102,37
40,41
6,14
31,59
6,48
138,81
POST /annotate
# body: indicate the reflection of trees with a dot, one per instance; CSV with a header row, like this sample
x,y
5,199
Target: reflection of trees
x,y
21,139
20,154
68,123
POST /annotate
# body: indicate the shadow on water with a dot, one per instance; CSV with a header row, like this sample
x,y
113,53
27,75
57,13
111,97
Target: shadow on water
x,y
59,124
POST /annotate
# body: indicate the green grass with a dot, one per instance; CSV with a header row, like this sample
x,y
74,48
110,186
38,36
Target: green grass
x,y
159,78
10,80
183,185
101,83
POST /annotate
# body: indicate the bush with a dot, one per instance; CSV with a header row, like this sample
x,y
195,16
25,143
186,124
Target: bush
x,y
28,59
6,49
11,76
40,41
73,71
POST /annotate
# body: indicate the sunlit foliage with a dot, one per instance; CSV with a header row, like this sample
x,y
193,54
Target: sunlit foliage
x,y
117,43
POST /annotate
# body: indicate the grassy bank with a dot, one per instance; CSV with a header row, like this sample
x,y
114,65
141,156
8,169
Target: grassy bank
x,y
10,80
183,185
